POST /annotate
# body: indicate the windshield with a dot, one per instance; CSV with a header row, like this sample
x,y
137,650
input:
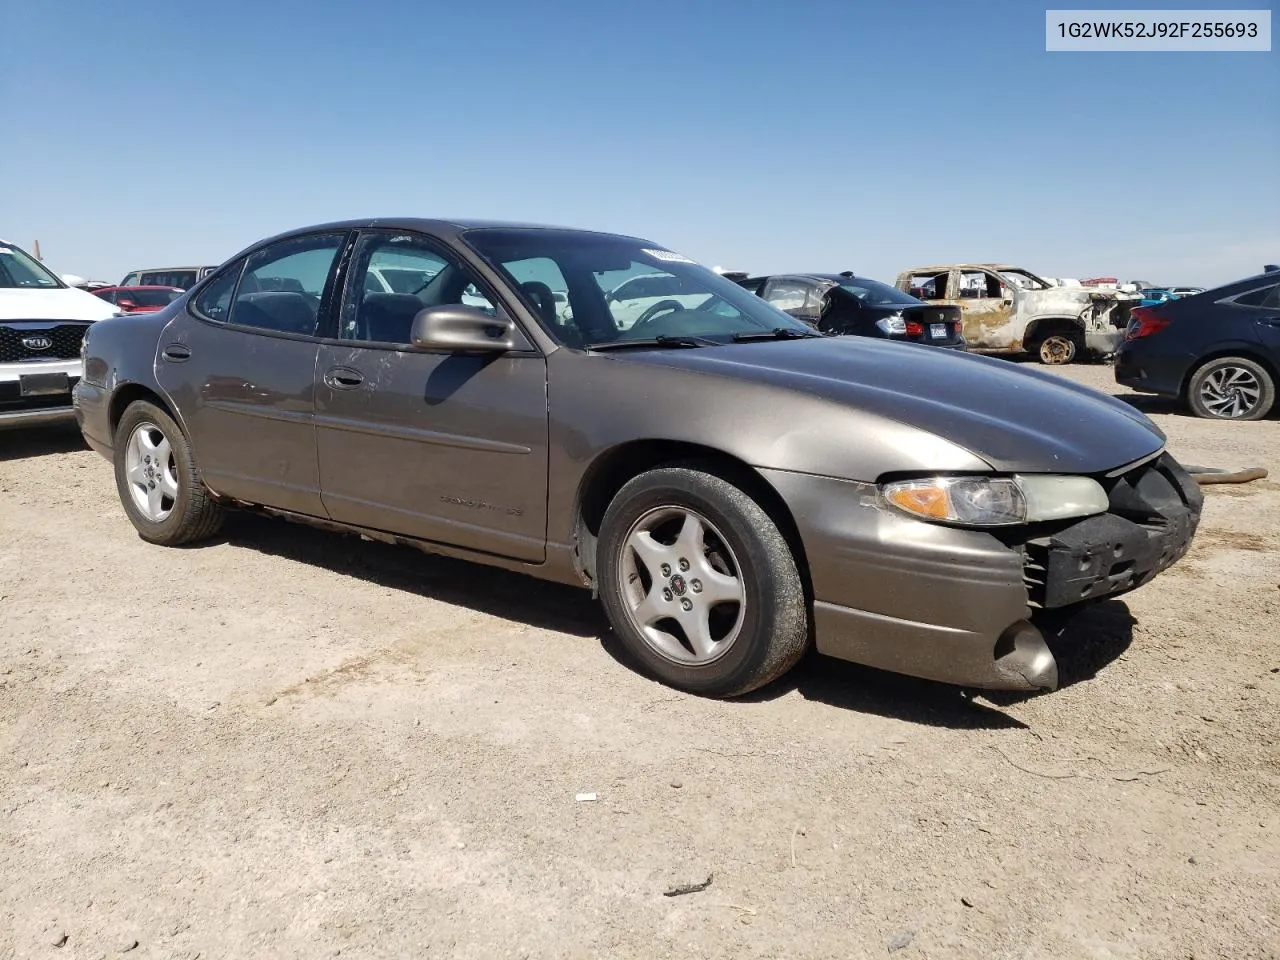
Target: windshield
x,y
613,289
18,269
1023,280
876,294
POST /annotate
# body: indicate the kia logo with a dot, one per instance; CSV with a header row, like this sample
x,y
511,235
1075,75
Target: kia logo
x,y
37,343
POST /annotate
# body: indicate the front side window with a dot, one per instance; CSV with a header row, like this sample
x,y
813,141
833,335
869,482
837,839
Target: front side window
x,y
980,285
393,277
22,271
618,289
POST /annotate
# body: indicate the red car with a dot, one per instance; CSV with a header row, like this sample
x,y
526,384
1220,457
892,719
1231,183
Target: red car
x,y
139,299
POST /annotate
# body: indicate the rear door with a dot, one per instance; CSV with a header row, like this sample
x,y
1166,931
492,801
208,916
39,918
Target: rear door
x,y
240,364
440,446
1268,319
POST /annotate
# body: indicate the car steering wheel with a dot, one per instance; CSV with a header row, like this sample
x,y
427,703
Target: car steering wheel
x,y
662,306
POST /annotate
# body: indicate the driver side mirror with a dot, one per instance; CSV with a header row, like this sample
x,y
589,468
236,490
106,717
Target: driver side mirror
x,y
125,304
461,328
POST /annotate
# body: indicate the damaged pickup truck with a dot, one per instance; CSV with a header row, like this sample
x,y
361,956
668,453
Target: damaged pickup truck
x,y
1010,310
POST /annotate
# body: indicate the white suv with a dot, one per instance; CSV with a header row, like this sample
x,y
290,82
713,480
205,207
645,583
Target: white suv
x,y
42,322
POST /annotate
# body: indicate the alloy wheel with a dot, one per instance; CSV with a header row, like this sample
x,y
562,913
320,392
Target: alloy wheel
x,y
682,586
1230,392
151,473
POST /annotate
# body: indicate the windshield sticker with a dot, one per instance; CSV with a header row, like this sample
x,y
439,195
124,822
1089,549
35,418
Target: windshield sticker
x,y
668,256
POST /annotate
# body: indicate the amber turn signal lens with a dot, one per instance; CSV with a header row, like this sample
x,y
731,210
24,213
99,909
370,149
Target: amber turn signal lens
x,y
922,500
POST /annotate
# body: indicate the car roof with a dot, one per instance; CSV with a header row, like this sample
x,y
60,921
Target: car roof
x,y
826,277
447,228
938,268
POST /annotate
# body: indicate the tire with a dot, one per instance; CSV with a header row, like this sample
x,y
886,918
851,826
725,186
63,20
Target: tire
x,y
1231,388
166,501
1059,347
748,642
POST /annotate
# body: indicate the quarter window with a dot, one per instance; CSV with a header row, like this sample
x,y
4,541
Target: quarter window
x,y
282,286
1266,297
214,301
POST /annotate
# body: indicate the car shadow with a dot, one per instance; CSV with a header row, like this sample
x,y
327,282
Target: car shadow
x,y
1083,645
1151,403
20,443
851,686
484,589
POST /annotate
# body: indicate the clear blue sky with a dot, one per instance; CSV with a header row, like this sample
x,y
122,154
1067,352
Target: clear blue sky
x,y
755,135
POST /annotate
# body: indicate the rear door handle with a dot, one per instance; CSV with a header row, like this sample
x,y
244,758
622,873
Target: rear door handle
x,y
177,352
343,378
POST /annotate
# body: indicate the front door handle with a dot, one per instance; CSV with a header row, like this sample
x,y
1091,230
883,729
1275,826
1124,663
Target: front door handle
x,y
343,378
177,352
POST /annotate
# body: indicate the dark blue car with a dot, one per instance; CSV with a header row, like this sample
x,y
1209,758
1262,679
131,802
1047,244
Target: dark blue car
x,y
1219,351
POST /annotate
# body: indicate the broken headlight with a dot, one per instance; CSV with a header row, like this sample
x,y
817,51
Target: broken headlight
x,y
996,501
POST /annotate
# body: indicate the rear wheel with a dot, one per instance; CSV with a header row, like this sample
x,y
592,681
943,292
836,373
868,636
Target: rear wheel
x,y
1231,388
699,584
157,479
1061,346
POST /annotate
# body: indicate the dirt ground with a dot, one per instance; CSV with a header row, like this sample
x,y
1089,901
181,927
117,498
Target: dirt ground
x,y
295,744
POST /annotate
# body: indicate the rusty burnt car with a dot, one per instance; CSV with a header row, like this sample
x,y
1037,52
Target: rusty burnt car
x,y
735,487
1009,310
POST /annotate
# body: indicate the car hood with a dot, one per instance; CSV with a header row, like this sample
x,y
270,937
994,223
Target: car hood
x,y
60,303
1015,418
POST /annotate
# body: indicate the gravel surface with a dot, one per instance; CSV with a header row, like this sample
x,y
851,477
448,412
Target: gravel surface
x,y
294,744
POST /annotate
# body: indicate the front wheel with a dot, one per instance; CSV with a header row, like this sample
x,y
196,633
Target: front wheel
x,y
699,584
1231,388
157,479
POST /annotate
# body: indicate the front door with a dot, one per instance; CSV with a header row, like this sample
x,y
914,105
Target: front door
x,y
240,368
440,446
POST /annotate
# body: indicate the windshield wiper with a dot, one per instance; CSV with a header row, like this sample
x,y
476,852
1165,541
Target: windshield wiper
x,y
659,341
777,333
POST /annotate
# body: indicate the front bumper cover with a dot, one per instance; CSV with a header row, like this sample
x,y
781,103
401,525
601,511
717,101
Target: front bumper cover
x,y
1155,510
962,606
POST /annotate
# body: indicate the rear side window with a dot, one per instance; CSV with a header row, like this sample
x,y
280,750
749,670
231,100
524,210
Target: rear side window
x,y
183,279
282,285
1266,297
928,286
788,295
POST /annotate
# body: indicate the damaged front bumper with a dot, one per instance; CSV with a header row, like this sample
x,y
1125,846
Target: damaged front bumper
x,y
964,606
